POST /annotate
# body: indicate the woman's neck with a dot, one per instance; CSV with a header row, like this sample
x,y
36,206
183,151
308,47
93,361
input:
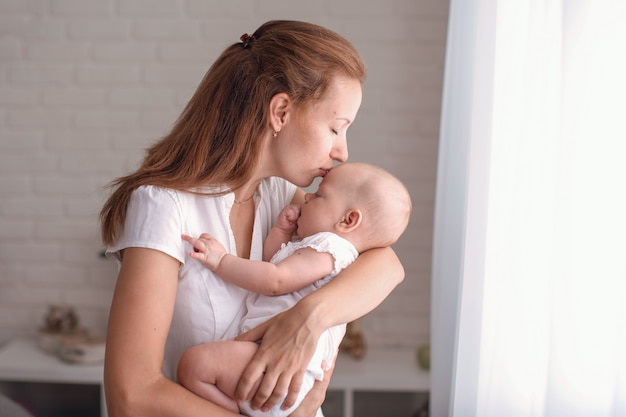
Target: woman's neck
x,y
242,224
244,194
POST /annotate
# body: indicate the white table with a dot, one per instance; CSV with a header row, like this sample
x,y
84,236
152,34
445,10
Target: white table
x,y
381,370
22,361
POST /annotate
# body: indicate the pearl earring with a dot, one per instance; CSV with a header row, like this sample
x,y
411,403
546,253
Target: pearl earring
x,y
275,133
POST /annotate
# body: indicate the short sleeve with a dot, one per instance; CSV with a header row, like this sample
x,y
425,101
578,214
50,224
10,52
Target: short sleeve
x,y
154,220
342,250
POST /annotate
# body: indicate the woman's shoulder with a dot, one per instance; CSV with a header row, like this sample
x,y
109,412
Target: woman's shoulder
x,y
154,220
155,199
270,185
154,192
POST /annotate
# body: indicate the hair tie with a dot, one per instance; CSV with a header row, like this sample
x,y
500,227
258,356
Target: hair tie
x,y
246,40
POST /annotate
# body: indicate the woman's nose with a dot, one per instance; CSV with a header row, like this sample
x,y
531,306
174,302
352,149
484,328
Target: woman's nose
x,y
339,152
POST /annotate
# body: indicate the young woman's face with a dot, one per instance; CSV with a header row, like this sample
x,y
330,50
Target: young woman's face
x,y
315,136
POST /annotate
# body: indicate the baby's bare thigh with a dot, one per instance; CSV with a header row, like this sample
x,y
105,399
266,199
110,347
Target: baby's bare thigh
x,y
225,362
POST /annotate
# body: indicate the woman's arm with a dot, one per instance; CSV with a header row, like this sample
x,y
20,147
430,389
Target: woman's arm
x,y
139,322
289,338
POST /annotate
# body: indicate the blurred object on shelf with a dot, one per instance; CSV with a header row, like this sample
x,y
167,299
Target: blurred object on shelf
x,y
423,357
60,319
353,342
88,350
61,336
51,342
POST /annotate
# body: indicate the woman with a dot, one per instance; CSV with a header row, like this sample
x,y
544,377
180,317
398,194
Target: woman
x,y
270,115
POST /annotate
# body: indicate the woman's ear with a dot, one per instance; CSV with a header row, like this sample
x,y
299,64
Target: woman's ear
x,y
280,106
350,220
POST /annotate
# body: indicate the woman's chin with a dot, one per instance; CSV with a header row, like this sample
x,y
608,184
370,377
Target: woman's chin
x,y
306,182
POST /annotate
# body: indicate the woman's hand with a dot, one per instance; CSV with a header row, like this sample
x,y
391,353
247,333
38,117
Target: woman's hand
x,y
315,398
288,343
290,338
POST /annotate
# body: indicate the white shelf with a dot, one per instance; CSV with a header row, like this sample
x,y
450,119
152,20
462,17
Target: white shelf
x,y
22,361
381,370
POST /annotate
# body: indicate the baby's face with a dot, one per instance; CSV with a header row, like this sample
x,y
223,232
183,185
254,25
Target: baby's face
x,y
324,208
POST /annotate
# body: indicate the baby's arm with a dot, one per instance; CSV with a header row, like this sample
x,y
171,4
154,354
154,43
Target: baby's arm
x,y
282,231
302,268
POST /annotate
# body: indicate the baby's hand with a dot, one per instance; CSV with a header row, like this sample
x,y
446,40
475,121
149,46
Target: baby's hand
x,y
206,249
287,218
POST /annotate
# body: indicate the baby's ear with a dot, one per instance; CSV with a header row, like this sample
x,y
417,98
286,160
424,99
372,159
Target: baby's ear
x,y
350,220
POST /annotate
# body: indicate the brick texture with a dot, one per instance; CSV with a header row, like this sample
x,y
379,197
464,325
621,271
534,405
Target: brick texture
x,y
86,85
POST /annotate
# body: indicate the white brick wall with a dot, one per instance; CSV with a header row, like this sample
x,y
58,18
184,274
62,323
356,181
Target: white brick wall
x,y
85,85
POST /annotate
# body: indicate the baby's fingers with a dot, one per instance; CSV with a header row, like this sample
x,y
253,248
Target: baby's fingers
x,y
292,213
198,244
188,239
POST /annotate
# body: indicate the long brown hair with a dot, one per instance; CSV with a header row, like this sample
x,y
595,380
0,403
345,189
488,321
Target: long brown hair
x,y
217,139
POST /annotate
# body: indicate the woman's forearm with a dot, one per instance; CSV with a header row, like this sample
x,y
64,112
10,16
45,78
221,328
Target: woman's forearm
x,y
356,291
159,398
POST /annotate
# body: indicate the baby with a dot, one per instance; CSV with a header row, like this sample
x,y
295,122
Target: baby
x,y
356,207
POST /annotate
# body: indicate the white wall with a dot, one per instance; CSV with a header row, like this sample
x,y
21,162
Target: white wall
x,y
85,85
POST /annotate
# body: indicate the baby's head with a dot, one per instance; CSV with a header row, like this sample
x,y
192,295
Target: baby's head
x,y
362,203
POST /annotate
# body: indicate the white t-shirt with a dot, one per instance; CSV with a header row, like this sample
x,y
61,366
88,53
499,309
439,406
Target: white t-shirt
x,y
207,308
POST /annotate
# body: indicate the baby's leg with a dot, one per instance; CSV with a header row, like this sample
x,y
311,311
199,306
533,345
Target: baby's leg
x,y
213,370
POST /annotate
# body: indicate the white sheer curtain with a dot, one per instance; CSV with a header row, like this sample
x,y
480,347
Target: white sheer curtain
x,y
529,262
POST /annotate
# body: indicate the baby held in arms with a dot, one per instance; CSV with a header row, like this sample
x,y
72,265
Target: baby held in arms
x,y
356,207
